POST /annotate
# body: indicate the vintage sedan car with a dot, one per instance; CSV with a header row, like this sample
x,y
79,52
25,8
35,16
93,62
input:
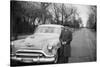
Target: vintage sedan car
x,y
42,46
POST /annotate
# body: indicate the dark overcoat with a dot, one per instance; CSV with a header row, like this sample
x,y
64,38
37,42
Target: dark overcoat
x,y
65,49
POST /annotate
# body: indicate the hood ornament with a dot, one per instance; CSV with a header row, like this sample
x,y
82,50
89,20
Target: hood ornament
x,y
29,45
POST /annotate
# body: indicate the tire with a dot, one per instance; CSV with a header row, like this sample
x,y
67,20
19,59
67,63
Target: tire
x,y
56,58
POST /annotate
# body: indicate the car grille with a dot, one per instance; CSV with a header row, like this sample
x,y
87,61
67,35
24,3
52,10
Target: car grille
x,y
29,54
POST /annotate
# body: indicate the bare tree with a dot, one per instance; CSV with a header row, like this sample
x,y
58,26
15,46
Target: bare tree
x,y
92,18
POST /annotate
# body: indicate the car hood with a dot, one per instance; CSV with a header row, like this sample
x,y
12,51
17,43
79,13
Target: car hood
x,y
37,41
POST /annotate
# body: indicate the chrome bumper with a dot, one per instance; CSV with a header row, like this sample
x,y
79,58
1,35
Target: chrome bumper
x,y
28,60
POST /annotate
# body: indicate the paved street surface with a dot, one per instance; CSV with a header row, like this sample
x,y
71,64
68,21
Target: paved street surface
x,y
83,46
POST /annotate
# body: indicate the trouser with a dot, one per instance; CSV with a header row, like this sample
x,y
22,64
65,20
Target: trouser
x,y
62,57
66,59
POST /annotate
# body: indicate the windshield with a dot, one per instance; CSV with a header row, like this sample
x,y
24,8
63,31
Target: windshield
x,y
48,30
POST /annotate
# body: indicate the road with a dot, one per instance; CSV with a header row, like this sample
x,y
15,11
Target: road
x,y
83,46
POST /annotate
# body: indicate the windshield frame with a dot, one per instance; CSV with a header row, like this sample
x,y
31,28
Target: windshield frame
x,y
59,29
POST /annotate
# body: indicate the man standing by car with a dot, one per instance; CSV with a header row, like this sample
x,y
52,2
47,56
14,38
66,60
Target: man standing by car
x,y
65,38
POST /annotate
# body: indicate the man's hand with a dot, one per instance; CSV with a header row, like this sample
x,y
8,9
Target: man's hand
x,y
64,42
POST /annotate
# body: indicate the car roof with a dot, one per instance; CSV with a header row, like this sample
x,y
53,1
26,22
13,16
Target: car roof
x,y
51,25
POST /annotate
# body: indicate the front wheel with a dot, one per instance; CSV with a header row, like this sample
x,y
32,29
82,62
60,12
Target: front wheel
x,y
56,58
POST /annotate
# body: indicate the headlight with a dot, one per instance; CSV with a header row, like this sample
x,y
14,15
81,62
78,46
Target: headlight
x,y
12,49
49,47
12,43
